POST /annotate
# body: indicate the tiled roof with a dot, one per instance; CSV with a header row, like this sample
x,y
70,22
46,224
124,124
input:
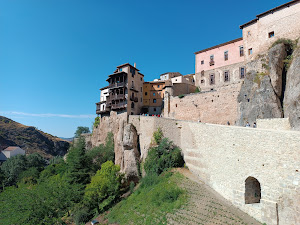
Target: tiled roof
x,y
220,45
11,148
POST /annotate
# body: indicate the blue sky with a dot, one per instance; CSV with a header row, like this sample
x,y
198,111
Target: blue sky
x,y
56,54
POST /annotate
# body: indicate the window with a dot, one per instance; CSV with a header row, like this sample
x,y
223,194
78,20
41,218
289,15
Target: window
x,y
154,109
226,76
211,62
132,84
141,99
141,79
154,100
146,93
158,86
226,55
202,81
271,34
242,72
212,79
202,62
132,105
252,191
120,69
153,93
132,71
241,50
250,51
141,89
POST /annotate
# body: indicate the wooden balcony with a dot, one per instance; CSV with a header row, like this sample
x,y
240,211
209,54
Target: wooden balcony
x,y
135,99
115,97
118,106
117,85
98,108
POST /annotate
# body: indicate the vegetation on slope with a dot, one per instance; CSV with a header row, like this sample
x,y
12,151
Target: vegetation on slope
x,y
151,202
30,139
51,194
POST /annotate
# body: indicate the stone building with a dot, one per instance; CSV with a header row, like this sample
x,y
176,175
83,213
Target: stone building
x,y
220,65
124,92
280,22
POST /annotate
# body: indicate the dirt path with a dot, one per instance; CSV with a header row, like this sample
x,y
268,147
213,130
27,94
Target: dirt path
x,y
205,206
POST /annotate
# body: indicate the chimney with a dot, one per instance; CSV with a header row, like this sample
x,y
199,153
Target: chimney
x,y
134,65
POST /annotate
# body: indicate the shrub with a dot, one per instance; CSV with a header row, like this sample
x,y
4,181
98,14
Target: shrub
x,y
180,96
165,155
197,90
82,215
96,122
158,135
131,187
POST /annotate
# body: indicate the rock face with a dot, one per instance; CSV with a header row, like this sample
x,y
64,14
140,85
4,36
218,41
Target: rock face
x,y
276,56
261,94
30,139
258,100
291,100
125,141
131,154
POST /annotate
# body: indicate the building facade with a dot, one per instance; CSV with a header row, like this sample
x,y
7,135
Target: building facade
x,y
153,96
280,22
220,65
124,92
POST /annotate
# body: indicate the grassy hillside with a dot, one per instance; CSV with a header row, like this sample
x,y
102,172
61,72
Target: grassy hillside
x,y
30,139
177,198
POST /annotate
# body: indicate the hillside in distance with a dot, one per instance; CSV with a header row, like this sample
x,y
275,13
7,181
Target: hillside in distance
x,y
30,139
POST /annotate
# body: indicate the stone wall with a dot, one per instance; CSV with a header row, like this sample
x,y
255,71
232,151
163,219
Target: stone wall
x,y
225,156
274,124
218,106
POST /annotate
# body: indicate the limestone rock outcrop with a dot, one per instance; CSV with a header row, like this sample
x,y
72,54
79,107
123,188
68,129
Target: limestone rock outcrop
x,y
276,56
131,154
291,102
257,99
125,141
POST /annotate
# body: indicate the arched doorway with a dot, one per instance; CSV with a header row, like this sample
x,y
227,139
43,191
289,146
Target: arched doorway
x,y
252,191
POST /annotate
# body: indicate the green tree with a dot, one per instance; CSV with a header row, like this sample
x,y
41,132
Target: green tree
x,y
13,167
104,188
78,165
81,130
102,153
36,160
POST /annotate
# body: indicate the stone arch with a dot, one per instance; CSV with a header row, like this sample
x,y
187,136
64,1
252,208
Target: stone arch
x,y
252,191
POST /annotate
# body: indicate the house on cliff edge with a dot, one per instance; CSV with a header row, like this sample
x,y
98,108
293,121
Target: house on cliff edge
x,y
124,92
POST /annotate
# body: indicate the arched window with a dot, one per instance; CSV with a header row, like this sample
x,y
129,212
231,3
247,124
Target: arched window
x,y
252,191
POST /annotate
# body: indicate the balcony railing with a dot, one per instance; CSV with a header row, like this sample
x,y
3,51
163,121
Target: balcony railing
x,y
135,99
212,62
115,97
118,106
116,85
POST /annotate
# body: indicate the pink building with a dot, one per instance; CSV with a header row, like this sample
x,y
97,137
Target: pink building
x,y
221,64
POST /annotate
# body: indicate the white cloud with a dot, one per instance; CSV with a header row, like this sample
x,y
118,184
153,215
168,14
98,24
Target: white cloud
x,y
48,115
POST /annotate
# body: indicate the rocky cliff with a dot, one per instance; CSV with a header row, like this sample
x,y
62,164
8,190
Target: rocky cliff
x,y
30,139
271,88
127,153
